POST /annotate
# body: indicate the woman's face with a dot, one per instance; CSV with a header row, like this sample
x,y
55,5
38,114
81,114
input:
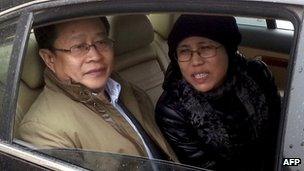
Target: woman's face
x,y
207,67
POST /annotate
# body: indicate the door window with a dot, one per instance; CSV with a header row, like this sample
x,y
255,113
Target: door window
x,y
7,35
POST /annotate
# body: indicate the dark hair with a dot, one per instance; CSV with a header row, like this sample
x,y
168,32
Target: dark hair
x,y
47,35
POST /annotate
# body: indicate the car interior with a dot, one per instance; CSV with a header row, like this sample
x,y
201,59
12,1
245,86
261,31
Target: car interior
x,y
141,55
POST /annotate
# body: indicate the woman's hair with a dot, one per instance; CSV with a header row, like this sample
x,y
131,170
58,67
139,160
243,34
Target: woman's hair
x,y
47,35
222,29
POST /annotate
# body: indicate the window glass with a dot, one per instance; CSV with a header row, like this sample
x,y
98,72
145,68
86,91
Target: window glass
x,y
7,34
283,24
251,21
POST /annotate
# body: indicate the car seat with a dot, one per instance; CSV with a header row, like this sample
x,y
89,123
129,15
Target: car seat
x,y
137,58
31,83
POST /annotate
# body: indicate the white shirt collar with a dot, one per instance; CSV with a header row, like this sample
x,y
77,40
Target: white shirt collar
x,y
113,88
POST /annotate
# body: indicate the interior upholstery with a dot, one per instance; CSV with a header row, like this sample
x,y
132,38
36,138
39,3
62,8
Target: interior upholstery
x,y
130,32
31,82
137,58
162,24
33,65
31,79
279,72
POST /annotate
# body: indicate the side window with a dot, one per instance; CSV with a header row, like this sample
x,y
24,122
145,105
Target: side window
x,y
260,22
251,21
258,37
7,35
283,24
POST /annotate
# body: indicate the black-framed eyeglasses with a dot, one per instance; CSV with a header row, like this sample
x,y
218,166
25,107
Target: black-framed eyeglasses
x,y
84,48
185,54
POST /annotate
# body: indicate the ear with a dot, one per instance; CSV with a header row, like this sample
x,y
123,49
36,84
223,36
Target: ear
x,y
48,58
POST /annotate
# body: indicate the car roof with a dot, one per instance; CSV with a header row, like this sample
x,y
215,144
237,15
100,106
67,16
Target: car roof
x,y
16,4
7,4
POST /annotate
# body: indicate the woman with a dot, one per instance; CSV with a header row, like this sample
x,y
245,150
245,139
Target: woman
x,y
218,110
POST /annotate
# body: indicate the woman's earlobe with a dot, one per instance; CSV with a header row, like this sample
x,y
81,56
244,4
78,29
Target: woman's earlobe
x,y
48,57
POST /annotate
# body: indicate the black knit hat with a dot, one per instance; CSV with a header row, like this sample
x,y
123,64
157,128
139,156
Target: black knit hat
x,y
222,29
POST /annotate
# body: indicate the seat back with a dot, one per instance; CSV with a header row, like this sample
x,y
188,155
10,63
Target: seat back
x,y
162,25
31,82
137,59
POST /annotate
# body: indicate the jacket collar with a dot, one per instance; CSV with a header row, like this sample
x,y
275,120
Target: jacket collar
x,y
75,91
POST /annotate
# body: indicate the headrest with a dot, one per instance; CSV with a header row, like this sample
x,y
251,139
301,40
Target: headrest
x,y
130,32
163,23
33,66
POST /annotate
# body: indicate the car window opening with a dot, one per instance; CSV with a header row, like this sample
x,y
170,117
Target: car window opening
x,y
141,66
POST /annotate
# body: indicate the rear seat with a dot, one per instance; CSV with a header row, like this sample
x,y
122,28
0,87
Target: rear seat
x,y
31,79
138,59
162,24
31,83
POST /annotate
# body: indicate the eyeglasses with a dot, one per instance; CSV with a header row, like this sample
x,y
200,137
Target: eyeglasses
x,y
84,48
185,54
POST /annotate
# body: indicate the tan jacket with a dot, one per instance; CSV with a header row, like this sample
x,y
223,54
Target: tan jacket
x,y
57,121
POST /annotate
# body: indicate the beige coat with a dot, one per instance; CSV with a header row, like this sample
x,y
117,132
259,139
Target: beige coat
x,y
57,121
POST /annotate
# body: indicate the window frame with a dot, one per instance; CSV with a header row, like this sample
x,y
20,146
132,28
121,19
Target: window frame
x,y
54,11
13,76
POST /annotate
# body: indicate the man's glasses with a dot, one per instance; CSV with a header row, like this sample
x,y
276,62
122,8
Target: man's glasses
x,y
185,54
84,48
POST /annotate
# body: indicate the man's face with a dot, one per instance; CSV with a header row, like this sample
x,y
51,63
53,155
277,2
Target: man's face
x,y
91,69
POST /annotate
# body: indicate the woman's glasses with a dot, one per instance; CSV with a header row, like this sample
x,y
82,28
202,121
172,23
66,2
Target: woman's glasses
x,y
185,54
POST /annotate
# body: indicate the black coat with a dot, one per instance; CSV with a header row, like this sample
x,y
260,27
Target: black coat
x,y
231,128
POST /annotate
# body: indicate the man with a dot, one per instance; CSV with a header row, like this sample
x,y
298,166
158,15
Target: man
x,y
81,106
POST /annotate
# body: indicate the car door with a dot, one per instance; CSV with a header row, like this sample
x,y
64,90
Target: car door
x,y
15,30
10,42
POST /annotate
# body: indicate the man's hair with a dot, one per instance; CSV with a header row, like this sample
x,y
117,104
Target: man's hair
x,y
47,35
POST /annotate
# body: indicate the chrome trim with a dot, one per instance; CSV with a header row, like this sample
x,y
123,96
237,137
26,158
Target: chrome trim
x,y
36,158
